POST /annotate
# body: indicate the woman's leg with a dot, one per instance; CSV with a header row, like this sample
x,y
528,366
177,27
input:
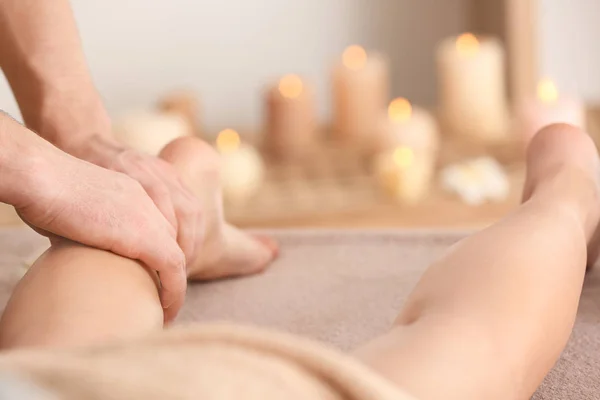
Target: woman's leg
x,y
76,295
491,318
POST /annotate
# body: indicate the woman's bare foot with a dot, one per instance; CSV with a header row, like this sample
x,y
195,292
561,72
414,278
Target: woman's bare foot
x,y
562,156
227,251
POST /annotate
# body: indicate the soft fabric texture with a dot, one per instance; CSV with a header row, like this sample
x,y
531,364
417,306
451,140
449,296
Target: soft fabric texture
x,y
211,362
343,289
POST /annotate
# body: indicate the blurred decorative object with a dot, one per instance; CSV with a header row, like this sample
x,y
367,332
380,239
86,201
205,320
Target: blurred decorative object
x,y
405,125
242,169
186,104
291,118
404,174
360,93
150,131
335,187
334,179
477,181
549,107
472,91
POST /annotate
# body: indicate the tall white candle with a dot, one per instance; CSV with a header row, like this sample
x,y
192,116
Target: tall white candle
x,y
360,93
548,108
472,87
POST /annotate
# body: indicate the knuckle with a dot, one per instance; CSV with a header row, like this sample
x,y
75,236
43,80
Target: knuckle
x,y
133,251
159,189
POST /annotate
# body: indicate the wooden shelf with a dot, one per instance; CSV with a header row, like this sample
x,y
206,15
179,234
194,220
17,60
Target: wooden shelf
x,y
439,210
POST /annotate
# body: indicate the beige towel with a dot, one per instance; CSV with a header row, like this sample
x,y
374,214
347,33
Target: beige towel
x,y
210,362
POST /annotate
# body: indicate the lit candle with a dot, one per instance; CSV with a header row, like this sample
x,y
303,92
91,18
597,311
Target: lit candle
x,y
360,94
150,131
242,169
472,90
549,107
405,125
291,117
403,174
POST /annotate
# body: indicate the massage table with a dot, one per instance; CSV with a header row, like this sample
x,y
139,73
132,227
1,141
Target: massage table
x,y
343,288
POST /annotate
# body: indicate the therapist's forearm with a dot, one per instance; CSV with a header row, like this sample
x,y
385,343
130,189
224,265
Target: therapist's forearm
x,y
42,58
22,163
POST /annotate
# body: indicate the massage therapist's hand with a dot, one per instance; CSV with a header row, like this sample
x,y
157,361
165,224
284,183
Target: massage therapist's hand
x,y
130,213
61,195
160,181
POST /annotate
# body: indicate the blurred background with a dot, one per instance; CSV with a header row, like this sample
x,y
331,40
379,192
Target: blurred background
x,y
214,61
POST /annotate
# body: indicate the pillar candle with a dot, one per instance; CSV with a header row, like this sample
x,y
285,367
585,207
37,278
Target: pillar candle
x,y
404,174
291,117
472,92
405,125
360,94
242,169
548,108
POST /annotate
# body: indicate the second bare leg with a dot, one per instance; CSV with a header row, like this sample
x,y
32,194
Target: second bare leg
x,y
490,319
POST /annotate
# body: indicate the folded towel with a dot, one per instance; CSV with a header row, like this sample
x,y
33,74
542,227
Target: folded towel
x,y
217,362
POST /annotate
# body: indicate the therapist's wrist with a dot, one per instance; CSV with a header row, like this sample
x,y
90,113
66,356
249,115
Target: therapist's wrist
x,y
69,118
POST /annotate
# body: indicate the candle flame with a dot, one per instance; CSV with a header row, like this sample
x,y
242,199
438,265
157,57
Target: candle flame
x,y
290,86
547,91
400,110
354,58
228,141
403,157
467,44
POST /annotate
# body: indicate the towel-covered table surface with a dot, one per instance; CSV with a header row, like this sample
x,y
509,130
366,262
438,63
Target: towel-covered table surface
x,y
343,288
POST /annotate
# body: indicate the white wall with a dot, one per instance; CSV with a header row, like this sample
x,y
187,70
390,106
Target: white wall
x,y
570,45
228,49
